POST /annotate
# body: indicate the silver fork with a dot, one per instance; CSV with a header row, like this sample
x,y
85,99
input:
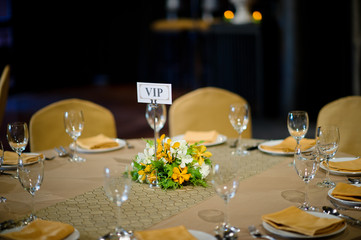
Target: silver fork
x,y
60,153
66,152
255,233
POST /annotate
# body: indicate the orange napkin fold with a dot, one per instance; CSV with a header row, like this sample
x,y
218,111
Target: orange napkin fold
x,y
346,166
296,220
97,142
41,230
196,136
173,233
11,158
289,145
347,192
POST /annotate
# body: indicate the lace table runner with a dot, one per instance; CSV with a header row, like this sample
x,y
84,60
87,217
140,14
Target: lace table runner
x,y
93,215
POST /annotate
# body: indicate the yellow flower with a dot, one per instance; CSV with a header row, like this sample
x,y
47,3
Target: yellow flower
x,y
201,153
146,171
180,175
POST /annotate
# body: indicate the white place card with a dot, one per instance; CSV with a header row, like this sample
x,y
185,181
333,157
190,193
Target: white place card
x,y
148,92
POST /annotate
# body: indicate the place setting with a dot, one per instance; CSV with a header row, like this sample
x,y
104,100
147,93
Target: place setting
x,y
30,174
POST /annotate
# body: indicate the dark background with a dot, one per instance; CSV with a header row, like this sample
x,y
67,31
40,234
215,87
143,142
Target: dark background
x,y
299,57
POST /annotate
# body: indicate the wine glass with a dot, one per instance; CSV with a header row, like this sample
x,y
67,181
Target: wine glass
x,y
306,165
74,124
238,116
17,134
2,199
327,141
117,184
31,177
156,115
225,181
297,123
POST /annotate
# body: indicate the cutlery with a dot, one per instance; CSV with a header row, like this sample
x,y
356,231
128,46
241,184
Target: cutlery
x,y
60,153
255,233
354,180
129,145
333,211
49,158
343,207
66,152
233,145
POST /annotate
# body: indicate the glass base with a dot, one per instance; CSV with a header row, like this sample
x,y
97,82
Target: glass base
x,y
2,199
77,159
309,208
119,235
226,231
326,184
240,152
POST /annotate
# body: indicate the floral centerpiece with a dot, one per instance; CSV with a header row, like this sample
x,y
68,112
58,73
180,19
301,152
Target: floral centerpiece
x,y
177,163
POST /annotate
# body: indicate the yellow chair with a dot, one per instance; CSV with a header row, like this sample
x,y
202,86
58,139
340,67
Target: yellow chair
x,y
47,130
345,113
4,90
205,109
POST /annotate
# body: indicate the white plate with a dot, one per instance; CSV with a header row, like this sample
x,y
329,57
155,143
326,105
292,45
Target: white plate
x,y
273,143
202,235
74,236
14,166
341,172
220,139
287,234
345,202
121,143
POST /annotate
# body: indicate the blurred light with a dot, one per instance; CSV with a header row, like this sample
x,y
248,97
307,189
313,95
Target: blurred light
x,y
257,16
228,14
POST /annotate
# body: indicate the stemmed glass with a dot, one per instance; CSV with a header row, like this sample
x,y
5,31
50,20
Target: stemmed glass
x,y
74,124
156,117
327,141
117,184
17,134
297,124
225,181
306,165
2,199
31,176
238,116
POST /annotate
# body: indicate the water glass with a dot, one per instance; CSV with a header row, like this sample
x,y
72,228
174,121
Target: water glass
x,y
74,124
238,117
117,185
327,142
31,177
225,177
306,165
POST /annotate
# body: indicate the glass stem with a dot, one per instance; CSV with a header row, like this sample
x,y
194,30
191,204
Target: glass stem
x,y
306,194
75,150
32,215
119,220
226,216
239,142
327,170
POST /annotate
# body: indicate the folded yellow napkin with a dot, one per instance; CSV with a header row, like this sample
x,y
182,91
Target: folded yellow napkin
x,y
347,192
196,136
41,230
11,158
296,220
173,233
289,145
97,142
346,166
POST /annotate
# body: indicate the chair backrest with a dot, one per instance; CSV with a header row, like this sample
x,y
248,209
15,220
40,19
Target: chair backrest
x,y
345,113
205,109
47,124
4,90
